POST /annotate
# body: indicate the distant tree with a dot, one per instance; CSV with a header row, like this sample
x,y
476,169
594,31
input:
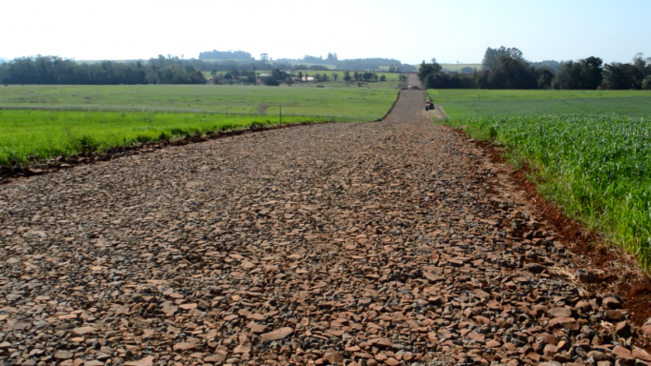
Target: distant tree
x,y
264,57
433,60
492,54
383,77
584,74
232,55
55,70
347,77
639,62
619,76
318,67
550,64
544,77
332,57
402,77
509,73
300,76
271,82
592,72
427,69
289,81
278,75
335,76
646,83
235,73
217,78
359,84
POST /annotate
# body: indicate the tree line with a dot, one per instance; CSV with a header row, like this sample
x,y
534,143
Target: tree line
x,y
225,55
278,77
56,70
506,68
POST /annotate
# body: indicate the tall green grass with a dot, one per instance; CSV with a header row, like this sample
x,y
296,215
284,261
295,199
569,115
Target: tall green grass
x,y
29,134
597,167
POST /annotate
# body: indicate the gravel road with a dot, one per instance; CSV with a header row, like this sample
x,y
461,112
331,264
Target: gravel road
x,y
396,242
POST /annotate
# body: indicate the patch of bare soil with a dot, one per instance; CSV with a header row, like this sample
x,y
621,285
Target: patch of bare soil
x,y
438,113
397,242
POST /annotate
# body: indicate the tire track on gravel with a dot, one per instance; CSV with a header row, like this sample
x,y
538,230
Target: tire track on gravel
x,y
394,242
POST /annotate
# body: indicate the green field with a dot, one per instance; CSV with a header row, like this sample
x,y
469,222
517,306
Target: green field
x,y
350,103
590,152
476,102
43,134
45,121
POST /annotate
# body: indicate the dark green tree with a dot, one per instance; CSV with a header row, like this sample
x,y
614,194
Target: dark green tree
x,y
347,77
271,82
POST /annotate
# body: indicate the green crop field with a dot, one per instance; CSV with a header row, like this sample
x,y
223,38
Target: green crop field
x,y
44,121
590,152
350,103
475,102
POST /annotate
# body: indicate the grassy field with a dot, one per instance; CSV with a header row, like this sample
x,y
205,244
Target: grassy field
x,y
43,134
458,67
350,103
590,151
45,121
475,102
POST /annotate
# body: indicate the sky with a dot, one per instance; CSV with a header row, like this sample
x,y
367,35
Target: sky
x,y
408,30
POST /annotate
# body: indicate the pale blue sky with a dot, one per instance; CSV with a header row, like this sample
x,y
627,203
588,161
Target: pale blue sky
x,y
409,30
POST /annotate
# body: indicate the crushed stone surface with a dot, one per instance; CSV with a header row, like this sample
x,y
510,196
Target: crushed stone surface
x,y
388,243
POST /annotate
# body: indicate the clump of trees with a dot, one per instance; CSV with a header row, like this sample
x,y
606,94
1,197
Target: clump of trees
x,y
225,55
350,64
56,70
506,68
277,77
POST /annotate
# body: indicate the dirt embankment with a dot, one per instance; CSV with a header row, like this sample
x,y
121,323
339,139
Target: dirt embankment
x,y
397,242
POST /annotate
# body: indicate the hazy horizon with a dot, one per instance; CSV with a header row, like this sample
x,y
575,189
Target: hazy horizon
x,y
448,31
